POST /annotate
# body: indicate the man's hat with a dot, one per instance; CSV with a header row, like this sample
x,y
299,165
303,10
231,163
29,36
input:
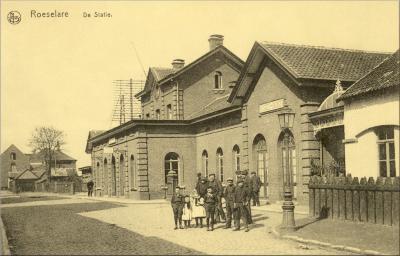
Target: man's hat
x,y
177,187
245,172
210,187
211,174
204,178
229,179
198,174
253,172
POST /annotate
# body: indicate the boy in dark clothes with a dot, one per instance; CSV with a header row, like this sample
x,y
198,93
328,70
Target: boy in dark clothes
x,y
210,202
177,207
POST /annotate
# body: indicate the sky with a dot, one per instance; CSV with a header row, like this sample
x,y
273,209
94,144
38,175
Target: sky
x,y
58,71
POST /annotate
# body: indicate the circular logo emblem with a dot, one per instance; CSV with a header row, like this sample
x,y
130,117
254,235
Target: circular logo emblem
x,y
14,17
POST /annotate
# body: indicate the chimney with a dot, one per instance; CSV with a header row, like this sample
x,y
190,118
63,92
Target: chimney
x,y
178,63
215,41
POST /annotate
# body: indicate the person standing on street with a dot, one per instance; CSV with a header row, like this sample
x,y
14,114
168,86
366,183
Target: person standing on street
x,y
217,190
241,200
210,202
255,185
90,186
249,190
202,187
177,207
229,194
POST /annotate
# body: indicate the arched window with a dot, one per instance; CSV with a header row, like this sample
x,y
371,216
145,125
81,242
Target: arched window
x,y
220,164
122,173
113,177
386,151
133,172
204,160
236,158
289,160
97,174
171,164
13,156
104,176
158,114
218,80
261,163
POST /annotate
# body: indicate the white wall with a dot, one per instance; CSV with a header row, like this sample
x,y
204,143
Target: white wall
x,y
361,115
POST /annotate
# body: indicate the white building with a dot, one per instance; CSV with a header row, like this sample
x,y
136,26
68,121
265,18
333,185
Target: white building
x,y
371,122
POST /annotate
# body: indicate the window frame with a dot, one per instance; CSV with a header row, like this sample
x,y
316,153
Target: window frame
x,y
387,142
220,163
218,80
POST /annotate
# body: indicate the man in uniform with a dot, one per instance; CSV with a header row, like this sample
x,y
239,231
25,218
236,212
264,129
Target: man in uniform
x,y
229,201
202,187
256,185
177,207
249,189
241,200
217,190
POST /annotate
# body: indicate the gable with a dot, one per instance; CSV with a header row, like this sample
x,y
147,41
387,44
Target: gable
x,y
26,175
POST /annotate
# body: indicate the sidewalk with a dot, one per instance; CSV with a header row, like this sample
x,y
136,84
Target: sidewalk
x,y
361,238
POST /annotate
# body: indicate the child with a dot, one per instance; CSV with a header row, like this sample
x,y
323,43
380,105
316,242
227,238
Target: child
x,y
177,204
187,212
210,202
198,211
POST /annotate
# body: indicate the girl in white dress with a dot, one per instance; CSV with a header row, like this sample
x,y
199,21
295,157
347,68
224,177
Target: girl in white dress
x,y
198,210
187,212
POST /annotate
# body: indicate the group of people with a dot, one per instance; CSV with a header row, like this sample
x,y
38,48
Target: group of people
x,y
209,196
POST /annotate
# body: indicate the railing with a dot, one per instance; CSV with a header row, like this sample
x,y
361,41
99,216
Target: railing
x,y
347,198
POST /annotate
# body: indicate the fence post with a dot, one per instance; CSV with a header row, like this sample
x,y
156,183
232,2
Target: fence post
x,y
342,198
317,205
371,200
396,201
363,200
335,201
355,186
349,198
387,201
329,197
379,200
311,195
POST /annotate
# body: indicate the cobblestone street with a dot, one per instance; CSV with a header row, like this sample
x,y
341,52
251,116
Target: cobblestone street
x,y
81,226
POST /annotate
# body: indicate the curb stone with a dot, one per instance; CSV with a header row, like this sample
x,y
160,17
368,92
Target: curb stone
x,y
323,244
5,249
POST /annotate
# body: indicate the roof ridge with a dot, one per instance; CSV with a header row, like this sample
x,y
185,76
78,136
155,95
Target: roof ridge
x,y
322,47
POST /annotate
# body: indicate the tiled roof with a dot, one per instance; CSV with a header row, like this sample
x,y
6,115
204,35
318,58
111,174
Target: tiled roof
x,y
93,133
383,76
315,62
161,73
214,106
59,155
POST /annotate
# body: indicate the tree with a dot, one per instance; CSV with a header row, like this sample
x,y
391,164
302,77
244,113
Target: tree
x,y
46,141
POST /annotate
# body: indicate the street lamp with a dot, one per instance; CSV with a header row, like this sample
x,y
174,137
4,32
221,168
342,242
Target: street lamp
x,y
286,120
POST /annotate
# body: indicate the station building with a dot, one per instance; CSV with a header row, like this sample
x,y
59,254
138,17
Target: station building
x,y
220,115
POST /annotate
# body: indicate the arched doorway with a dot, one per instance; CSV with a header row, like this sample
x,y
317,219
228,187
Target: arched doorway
x,y
260,154
171,163
104,177
287,147
113,177
122,175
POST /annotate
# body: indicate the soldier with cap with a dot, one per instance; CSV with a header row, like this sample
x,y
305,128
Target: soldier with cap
x,y
217,190
177,202
241,200
255,185
229,194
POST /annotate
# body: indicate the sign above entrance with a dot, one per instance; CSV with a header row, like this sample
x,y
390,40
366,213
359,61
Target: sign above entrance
x,y
272,105
108,150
